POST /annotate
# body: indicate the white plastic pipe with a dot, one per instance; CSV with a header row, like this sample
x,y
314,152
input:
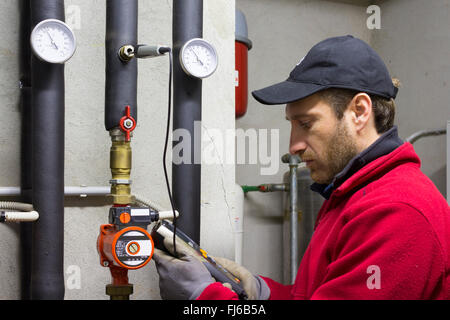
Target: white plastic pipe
x,y
81,191
87,191
9,191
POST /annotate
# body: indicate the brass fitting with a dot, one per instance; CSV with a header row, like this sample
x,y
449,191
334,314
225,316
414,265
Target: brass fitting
x,y
126,53
120,164
119,292
120,160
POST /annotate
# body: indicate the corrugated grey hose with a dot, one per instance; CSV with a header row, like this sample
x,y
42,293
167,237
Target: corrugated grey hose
x,y
147,203
23,212
163,214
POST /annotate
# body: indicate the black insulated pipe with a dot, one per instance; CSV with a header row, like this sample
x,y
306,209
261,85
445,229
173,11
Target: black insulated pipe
x,y
47,277
26,146
187,23
121,77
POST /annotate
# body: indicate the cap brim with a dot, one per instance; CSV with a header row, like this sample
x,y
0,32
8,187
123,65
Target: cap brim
x,y
286,92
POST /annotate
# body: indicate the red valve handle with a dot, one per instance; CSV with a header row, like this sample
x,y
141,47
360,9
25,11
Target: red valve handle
x,y
122,121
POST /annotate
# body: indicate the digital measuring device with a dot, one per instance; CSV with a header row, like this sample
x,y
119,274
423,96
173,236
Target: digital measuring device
x,y
164,229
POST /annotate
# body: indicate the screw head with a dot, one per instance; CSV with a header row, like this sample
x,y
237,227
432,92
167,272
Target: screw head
x,y
128,123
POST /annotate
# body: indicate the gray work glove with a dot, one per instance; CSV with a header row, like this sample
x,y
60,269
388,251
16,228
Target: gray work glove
x,y
255,287
182,278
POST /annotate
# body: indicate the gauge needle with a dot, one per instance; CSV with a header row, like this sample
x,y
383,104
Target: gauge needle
x,y
192,49
53,42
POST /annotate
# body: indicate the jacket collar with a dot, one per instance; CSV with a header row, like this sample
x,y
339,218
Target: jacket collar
x,y
384,145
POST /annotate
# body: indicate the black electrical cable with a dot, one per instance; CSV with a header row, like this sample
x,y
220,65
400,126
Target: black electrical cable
x,y
164,50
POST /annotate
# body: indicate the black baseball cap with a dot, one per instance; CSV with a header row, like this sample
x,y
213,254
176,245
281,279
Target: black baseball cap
x,y
338,62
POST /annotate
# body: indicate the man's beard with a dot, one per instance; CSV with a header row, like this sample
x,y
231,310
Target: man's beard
x,y
340,150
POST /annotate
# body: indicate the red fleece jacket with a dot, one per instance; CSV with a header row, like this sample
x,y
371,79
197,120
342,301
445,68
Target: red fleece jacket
x,y
383,234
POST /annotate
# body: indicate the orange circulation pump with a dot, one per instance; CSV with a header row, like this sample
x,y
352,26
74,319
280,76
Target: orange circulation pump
x,y
242,46
124,244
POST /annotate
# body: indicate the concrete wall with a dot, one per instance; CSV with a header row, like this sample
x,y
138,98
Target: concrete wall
x,y
87,142
9,143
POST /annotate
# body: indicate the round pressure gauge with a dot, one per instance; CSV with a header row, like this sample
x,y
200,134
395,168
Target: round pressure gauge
x,y
198,58
53,41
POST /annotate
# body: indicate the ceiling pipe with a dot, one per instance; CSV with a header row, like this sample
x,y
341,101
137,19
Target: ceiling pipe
x,y
26,163
187,22
47,276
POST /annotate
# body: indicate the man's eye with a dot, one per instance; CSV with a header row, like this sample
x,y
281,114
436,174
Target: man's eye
x,y
305,124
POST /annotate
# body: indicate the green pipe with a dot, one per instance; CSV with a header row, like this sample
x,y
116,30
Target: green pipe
x,y
250,188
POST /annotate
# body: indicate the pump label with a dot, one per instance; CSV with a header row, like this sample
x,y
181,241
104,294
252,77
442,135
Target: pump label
x,y
133,248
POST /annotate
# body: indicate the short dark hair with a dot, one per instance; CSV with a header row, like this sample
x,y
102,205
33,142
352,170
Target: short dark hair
x,y
383,108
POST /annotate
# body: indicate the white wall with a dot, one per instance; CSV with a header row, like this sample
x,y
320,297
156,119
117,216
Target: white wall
x,y
88,143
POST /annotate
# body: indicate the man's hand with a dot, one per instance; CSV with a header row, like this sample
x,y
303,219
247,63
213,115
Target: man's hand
x,y
255,287
182,278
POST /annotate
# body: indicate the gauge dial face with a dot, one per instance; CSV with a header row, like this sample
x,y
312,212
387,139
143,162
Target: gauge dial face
x,y
198,58
53,41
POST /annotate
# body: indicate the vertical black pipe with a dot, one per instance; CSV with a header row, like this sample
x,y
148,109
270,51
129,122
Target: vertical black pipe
x,y
121,77
187,107
47,278
26,146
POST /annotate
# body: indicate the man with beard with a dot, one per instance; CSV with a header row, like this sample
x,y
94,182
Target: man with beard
x,y
384,230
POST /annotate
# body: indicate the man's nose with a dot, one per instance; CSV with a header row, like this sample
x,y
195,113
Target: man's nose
x,y
297,144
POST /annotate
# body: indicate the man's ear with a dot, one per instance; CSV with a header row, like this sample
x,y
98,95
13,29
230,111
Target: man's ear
x,y
360,110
